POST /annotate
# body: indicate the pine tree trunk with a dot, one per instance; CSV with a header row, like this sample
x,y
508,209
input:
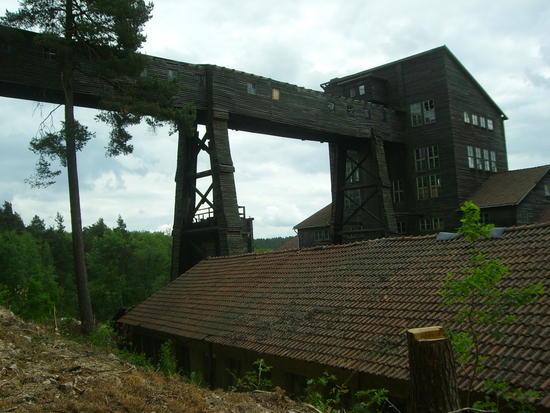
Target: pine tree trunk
x,y
434,385
85,304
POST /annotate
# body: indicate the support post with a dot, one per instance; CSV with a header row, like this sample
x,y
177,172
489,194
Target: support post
x,y
434,387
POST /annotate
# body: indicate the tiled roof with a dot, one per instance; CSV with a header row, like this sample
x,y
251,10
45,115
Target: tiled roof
x,y
508,188
320,219
350,305
291,244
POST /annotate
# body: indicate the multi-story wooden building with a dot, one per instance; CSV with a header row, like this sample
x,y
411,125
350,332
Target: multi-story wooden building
x,y
453,142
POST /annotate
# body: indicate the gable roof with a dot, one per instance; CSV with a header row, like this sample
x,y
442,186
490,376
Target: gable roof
x,y
320,219
508,188
440,49
349,306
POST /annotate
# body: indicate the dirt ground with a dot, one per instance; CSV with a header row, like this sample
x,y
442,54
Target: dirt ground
x,y
42,371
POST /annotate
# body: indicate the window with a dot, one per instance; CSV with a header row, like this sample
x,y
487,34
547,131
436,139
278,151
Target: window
x,y
321,235
429,111
482,121
172,74
489,124
428,186
416,114
49,54
367,113
479,159
438,223
401,227
484,218
331,106
352,198
546,190
426,158
422,187
493,161
276,94
200,80
251,88
420,160
350,110
362,89
352,92
433,157
475,120
423,112
352,172
354,229
435,186
397,190
143,73
425,225
486,160
466,117
471,158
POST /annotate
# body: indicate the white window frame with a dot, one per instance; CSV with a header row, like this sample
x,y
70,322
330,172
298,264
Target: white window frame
x,y
422,187
479,159
420,159
475,120
432,153
490,125
493,161
397,191
428,107
251,88
486,160
416,114
471,157
466,117
361,89
425,224
435,186
482,122
438,224
171,74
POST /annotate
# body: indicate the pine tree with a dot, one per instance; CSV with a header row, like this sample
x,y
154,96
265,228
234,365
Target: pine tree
x,y
99,39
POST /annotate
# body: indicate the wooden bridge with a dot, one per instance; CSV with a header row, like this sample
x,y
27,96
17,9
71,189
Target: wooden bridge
x,y
230,99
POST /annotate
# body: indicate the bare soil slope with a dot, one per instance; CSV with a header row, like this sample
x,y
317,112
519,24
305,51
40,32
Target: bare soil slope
x,y
40,371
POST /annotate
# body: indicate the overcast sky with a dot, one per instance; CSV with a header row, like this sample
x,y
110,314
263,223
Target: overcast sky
x,y
505,45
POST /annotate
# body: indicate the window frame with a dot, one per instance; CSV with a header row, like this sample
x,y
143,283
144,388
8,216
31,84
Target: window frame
x,y
398,192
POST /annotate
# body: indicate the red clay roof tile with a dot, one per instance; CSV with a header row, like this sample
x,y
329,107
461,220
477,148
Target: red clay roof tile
x,y
349,306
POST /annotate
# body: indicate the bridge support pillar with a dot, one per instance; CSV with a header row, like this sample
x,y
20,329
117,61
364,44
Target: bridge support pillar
x,y
362,205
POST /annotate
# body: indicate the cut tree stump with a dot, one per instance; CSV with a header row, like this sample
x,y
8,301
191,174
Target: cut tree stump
x,y
434,387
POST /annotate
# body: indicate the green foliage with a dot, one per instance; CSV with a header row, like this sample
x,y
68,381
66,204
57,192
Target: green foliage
x,y
103,335
373,398
514,400
136,359
480,300
317,388
37,270
471,228
52,145
253,379
196,379
167,360
27,280
10,220
269,244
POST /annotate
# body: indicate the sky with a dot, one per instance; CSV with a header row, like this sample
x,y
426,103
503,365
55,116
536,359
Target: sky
x,y
504,44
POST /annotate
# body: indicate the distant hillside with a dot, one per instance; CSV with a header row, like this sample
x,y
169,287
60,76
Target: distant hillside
x,y
269,244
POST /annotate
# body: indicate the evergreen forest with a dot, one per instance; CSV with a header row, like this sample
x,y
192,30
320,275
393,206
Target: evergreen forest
x,y
37,280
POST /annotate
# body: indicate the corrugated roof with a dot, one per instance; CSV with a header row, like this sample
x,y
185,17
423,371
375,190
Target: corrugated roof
x,y
349,305
508,188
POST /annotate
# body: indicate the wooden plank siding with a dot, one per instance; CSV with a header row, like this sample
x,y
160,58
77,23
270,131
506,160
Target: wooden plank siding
x,y
299,113
433,75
